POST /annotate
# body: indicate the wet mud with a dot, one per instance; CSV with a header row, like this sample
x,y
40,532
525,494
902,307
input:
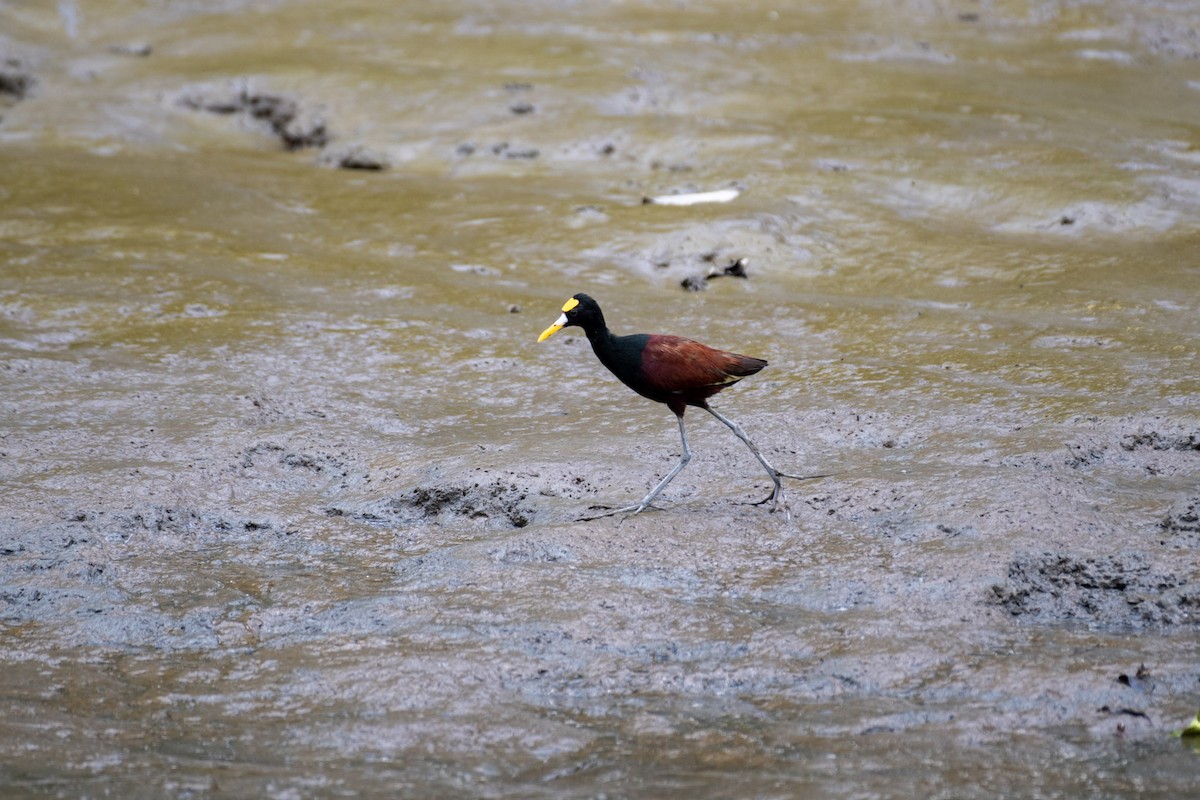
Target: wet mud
x,y
16,81
898,585
1120,590
290,499
296,126
453,503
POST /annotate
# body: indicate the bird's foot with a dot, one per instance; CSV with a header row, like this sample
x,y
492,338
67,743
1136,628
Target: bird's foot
x,y
776,499
612,512
805,477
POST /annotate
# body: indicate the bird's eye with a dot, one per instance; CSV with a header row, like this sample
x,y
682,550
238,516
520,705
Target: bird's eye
x,y
573,312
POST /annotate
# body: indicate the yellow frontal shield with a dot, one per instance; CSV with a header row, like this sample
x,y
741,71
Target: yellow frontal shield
x,y
560,322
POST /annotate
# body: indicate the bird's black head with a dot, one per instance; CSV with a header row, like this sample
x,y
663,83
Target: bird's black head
x,y
580,310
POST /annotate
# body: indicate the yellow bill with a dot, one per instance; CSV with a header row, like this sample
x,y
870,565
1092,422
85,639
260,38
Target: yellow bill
x,y
560,322
553,329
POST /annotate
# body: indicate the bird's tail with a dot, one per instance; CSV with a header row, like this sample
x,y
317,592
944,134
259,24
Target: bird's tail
x,y
740,366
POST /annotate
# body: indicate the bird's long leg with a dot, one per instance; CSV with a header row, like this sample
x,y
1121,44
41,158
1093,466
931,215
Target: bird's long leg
x,y
777,495
648,499
683,462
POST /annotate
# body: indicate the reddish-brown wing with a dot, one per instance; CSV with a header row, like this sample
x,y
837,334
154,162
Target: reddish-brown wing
x,y
673,365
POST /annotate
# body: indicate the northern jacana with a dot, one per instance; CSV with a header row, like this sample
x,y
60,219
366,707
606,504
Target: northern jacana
x,y
667,369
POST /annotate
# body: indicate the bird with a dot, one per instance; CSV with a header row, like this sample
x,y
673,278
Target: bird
x,y
673,370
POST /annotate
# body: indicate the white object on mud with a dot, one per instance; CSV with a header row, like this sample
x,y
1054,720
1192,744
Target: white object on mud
x,y
719,196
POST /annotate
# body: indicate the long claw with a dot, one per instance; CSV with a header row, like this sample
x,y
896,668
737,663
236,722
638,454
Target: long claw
x,y
777,500
630,510
805,477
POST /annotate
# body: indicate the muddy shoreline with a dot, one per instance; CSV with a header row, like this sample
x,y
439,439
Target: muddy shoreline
x,y
915,589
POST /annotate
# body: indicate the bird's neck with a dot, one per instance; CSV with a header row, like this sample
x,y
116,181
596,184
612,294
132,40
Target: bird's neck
x,y
601,337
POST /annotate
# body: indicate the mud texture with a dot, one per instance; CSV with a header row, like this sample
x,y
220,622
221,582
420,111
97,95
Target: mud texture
x,y
297,126
1181,526
16,80
1113,591
453,503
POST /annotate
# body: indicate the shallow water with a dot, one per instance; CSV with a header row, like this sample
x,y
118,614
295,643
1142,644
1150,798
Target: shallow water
x,y
289,488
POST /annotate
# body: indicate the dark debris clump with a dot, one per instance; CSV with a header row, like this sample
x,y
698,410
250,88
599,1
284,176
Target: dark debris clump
x,y
499,502
295,126
16,80
698,283
1117,592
